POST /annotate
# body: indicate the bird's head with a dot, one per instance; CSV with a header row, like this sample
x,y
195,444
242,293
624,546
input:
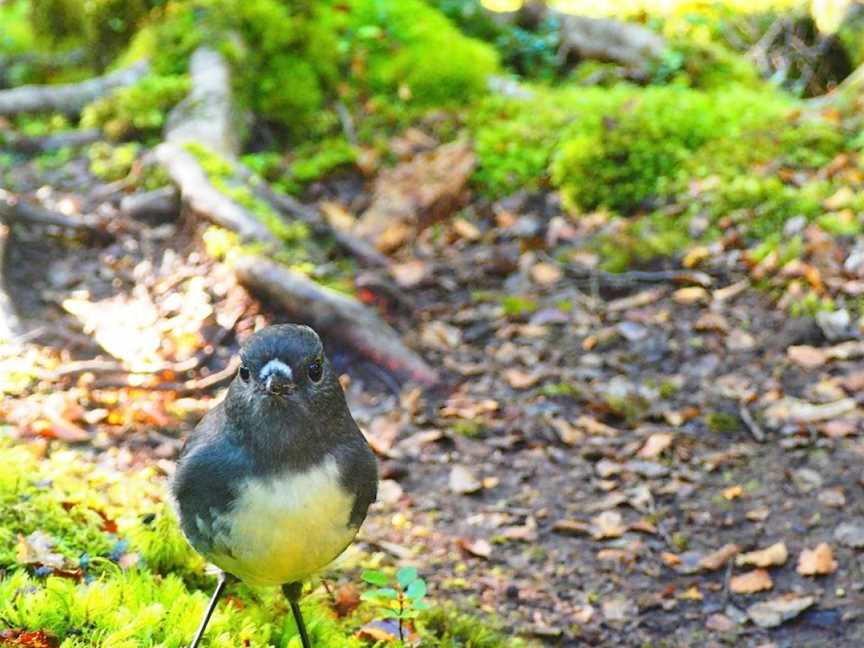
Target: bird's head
x,y
283,366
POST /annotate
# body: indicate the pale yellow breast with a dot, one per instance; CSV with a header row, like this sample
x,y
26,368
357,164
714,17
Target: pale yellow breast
x,y
288,527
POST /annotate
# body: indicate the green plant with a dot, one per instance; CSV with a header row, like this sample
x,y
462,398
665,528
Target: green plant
x,y
110,162
138,109
402,599
636,152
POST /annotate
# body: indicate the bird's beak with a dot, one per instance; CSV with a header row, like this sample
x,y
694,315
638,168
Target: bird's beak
x,y
278,384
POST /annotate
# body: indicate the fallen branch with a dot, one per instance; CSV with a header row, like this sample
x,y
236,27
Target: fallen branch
x,y
10,325
158,205
336,316
15,210
353,245
844,96
68,98
30,144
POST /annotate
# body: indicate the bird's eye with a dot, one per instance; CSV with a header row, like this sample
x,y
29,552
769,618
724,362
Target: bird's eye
x,y
244,374
315,372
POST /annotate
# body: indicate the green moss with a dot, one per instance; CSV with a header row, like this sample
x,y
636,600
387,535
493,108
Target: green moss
x,y
454,629
515,306
110,162
514,138
636,152
90,510
409,48
138,109
705,65
722,422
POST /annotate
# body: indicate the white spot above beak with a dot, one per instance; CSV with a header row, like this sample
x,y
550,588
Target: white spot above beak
x,y
275,367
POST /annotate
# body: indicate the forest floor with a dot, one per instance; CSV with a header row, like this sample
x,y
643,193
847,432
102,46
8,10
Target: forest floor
x,y
597,448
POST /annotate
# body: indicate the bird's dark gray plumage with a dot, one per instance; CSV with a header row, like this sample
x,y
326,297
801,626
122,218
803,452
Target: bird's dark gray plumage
x,y
277,478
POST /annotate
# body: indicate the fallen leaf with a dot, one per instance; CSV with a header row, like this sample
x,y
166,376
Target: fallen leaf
x,y
733,492
389,491
774,555
462,481
817,562
608,524
656,444
410,273
571,527
807,357
794,410
440,335
719,623
691,594
770,614
35,549
690,295
521,379
546,274
619,608
754,581
716,560
24,639
346,599
479,547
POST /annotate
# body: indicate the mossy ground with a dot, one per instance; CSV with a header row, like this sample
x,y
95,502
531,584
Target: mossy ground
x,y
122,575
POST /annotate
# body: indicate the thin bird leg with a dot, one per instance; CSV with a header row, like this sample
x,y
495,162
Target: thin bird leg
x,y
292,593
220,587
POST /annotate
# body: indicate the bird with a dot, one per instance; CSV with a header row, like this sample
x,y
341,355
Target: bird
x,y
276,480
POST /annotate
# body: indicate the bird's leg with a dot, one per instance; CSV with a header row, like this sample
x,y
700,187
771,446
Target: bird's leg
x,y
220,587
292,593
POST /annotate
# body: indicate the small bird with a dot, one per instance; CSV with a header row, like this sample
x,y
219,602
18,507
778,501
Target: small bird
x,y
277,478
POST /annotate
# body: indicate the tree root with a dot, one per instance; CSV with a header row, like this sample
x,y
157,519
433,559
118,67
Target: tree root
x,y
68,98
336,316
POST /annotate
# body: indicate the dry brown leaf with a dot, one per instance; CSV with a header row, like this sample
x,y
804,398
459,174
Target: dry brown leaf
x,y
733,492
817,562
546,274
608,524
466,230
754,581
691,295
35,549
572,527
656,444
521,379
775,555
410,273
716,560
770,614
463,481
479,547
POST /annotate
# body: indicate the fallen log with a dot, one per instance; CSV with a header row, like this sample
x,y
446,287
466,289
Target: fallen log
x,y
68,98
605,39
34,145
336,316
205,200
207,115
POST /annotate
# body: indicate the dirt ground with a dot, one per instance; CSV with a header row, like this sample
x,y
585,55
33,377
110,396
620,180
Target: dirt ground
x,y
591,449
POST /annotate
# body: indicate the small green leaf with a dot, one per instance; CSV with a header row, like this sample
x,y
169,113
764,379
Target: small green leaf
x,y
421,605
374,577
406,576
388,593
416,590
387,613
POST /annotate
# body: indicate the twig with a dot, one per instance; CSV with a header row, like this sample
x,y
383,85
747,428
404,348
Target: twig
x,y
30,144
347,123
752,425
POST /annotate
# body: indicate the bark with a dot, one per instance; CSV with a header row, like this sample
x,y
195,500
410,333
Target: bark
x,y
207,201
158,205
34,145
68,98
206,116
15,210
335,316
10,325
